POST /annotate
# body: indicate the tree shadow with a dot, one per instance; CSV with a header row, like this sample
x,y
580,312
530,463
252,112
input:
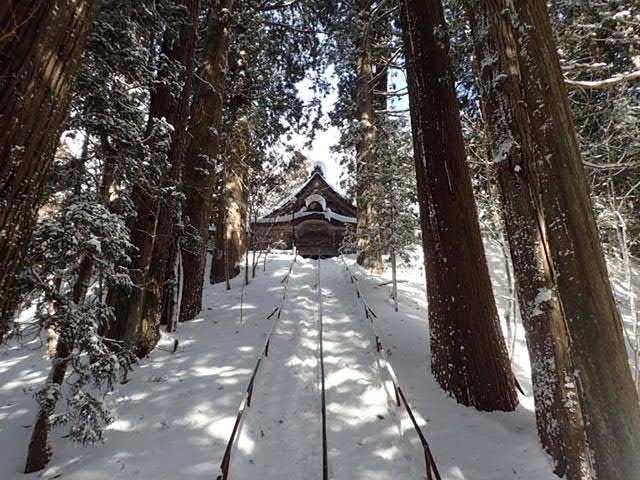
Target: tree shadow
x,y
465,443
175,414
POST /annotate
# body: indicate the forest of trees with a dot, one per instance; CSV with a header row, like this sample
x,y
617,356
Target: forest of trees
x,y
130,132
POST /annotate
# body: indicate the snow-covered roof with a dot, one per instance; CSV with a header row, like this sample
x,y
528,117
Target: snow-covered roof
x,y
317,171
328,215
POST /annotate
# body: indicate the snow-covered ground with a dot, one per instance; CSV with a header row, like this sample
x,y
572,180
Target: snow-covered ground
x,y
466,444
364,440
176,413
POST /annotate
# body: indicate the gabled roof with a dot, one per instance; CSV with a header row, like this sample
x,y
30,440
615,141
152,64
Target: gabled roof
x,y
316,173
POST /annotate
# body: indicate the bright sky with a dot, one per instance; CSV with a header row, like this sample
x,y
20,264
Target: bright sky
x,y
325,139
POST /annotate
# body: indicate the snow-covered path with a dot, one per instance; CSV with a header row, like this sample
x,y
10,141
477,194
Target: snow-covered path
x,y
281,436
363,431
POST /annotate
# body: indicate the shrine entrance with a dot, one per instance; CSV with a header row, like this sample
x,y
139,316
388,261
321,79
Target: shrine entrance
x,y
316,239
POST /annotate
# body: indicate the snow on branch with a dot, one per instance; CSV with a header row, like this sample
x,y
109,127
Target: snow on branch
x,y
610,166
280,6
392,112
607,82
395,93
570,67
291,28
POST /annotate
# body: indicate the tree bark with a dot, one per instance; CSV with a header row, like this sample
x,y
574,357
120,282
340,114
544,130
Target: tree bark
x,y
40,50
199,178
139,311
468,355
558,411
368,255
231,238
605,388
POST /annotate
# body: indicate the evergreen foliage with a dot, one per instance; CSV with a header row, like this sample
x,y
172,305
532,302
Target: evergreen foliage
x,y
109,211
395,199
88,231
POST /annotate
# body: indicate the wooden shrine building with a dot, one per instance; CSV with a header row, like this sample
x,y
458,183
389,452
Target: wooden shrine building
x,y
313,220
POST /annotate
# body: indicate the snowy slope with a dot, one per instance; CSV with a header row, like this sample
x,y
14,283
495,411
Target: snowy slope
x,y
363,434
175,415
466,444
364,431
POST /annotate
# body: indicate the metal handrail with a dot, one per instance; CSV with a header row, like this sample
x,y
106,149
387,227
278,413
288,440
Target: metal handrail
x,y
323,402
430,464
246,400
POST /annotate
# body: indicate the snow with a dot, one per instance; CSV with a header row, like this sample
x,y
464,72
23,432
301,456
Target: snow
x,y
328,215
293,195
622,14
286,404
364,440
95,244
314,197
466,444
504,148
616,267
331,215
176,413
543,295
285,218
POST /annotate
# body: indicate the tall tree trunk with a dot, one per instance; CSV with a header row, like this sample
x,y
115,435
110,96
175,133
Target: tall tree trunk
x,y
468,355
39,451
167,245
231,238
199,178
139,310
128,303
394,280
368,255
40,49
558,411
605,388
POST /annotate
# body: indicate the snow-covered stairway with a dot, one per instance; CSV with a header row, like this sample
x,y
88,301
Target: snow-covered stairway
x,y
363,431
281,435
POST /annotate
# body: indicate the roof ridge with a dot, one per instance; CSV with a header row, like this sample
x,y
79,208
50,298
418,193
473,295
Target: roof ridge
x,y
316,172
